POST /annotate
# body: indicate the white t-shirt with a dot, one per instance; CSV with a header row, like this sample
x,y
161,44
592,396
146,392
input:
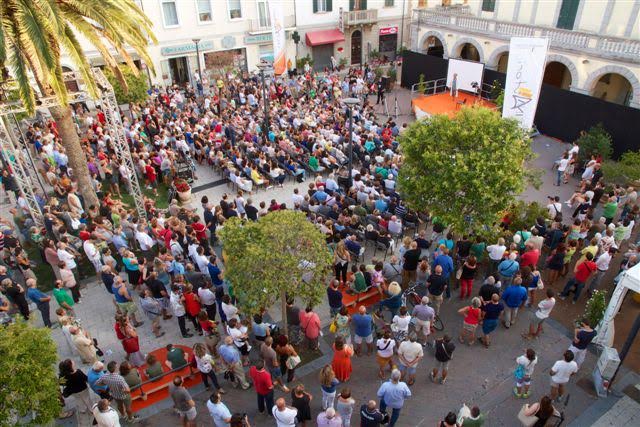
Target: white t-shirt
x,y
219,412
544,308
286,418
206,296
110,418
562,166
496,251
176,306
528,365
385,348
563,371
230,311
410,350
402,323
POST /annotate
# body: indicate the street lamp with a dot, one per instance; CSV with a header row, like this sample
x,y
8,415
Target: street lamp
x,y
197,41
264,66
350,103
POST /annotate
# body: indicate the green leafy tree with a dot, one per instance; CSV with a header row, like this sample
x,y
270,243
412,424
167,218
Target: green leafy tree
x,y
626,171
596,141
282,253
465,169
595,308
137,85
30,387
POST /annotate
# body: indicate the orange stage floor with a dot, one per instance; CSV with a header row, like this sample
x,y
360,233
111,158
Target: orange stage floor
x,y
444,103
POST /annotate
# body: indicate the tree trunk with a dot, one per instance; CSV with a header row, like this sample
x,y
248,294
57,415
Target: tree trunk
x,y
77,159
285,326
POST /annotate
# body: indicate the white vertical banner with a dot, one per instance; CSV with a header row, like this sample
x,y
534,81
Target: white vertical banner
x,y
277,31
525,70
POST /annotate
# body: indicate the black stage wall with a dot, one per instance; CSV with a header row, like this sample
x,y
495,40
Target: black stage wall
x,y
561,113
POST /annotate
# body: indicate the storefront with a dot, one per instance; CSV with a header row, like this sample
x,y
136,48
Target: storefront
x,y
225,60
322,44
181,63
388,42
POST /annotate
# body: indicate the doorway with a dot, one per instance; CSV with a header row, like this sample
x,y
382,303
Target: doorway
x,y
179,69
356,47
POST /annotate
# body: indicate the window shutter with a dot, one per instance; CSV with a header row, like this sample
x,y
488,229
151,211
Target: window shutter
x,y
329,5
315,6
567,16
352,4
363,4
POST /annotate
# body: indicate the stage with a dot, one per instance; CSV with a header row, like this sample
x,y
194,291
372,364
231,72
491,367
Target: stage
x,y
444,103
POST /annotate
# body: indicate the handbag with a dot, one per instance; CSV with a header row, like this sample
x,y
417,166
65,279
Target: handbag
x,y
292,362
526,420
519,372
459,273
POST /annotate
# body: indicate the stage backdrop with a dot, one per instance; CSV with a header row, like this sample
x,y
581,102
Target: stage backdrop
x,y
561,113
525,69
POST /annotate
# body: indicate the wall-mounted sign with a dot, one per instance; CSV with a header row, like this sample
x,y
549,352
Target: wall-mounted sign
x,y
258,39
228,42
385,31
186,48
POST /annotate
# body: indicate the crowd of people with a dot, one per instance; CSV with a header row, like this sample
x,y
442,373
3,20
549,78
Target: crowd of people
x,y
165,266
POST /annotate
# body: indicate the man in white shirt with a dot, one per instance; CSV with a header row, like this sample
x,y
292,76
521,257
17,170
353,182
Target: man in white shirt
x,y
218,411
64,254
409,354
105,415
93,254
602,265
541,314
562,167
561,373
496,252
554,207
296,198
145,242
284,415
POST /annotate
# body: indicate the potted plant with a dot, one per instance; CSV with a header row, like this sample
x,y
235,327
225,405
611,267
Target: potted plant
x,y
393,76
183,189
595,308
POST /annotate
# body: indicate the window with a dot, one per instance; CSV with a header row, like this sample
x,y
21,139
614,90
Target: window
x,y
235,9
322,6
422,3
488,5
204,10
264,20
265,52
357,4
567,16
388,3
169,13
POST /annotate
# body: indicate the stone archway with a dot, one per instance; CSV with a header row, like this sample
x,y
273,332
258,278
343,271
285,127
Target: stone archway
x,y
455,50
492,63
594,77
439,36
570,66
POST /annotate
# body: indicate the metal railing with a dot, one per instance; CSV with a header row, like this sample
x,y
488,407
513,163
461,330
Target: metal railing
x,y
358,17
576,41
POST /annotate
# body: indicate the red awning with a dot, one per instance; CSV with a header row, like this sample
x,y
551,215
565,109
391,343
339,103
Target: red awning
x,y
317,38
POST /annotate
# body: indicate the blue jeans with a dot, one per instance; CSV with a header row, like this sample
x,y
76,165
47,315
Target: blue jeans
x,y
559,177
395,412
570,284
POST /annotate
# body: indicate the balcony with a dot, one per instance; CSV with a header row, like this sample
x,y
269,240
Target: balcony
x,y
360,17
258,26
621,49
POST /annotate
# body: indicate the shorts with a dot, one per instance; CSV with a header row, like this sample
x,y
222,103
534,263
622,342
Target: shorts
x,y
275,372
358,339
469,327
555,384
164,303
526,380
244,350
442,365
128,307
411,370
97,264
489,325
190,415
126,401
535,320
383,361
424,325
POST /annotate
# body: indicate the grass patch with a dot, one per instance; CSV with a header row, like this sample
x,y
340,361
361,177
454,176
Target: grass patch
x,y
44,272
161,199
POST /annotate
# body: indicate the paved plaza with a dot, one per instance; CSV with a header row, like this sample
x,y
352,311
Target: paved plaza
x,y
478,376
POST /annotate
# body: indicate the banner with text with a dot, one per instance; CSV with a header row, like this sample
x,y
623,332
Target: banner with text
x,y
525,70
277,31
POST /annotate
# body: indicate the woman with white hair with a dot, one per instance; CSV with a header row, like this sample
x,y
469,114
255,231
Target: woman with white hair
x,y
472,314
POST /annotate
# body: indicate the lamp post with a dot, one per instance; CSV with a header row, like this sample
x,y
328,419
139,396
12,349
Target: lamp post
x,y
264,66
197,42
350,103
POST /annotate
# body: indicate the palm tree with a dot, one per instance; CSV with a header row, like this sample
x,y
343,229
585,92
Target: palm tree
x,y
33,34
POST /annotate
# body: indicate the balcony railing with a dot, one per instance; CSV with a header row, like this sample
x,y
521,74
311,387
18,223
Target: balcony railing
x,y
264,25
360,17
587,43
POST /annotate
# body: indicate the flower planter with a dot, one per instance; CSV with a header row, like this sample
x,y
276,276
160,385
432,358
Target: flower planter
x,y
184,196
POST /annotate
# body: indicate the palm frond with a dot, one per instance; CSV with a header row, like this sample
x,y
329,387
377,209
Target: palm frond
x,y
19,69
74,50
33,28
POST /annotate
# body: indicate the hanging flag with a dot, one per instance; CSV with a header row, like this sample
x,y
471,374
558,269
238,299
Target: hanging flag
x,y
277,31
525,70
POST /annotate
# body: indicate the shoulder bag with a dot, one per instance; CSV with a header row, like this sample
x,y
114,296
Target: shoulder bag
x,y
526,420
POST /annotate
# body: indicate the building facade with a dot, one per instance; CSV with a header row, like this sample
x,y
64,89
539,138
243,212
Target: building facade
x,y
236,34
594,45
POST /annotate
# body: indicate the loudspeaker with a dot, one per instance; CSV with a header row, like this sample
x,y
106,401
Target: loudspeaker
x,y
387,83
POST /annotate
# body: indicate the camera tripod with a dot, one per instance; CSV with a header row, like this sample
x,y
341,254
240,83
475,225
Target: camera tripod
x,y
396,107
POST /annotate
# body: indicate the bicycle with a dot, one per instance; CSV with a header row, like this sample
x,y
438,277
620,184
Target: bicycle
x,y
411,296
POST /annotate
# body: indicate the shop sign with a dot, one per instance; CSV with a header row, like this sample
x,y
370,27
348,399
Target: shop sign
x,y
385,31
186,48
228,42
258,39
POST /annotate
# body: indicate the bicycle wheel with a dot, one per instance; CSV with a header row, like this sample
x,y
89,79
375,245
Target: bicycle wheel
x,y
437,323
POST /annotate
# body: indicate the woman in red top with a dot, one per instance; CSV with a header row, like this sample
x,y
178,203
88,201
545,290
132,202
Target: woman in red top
x,y
192,306
341,363
128,337
471,315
